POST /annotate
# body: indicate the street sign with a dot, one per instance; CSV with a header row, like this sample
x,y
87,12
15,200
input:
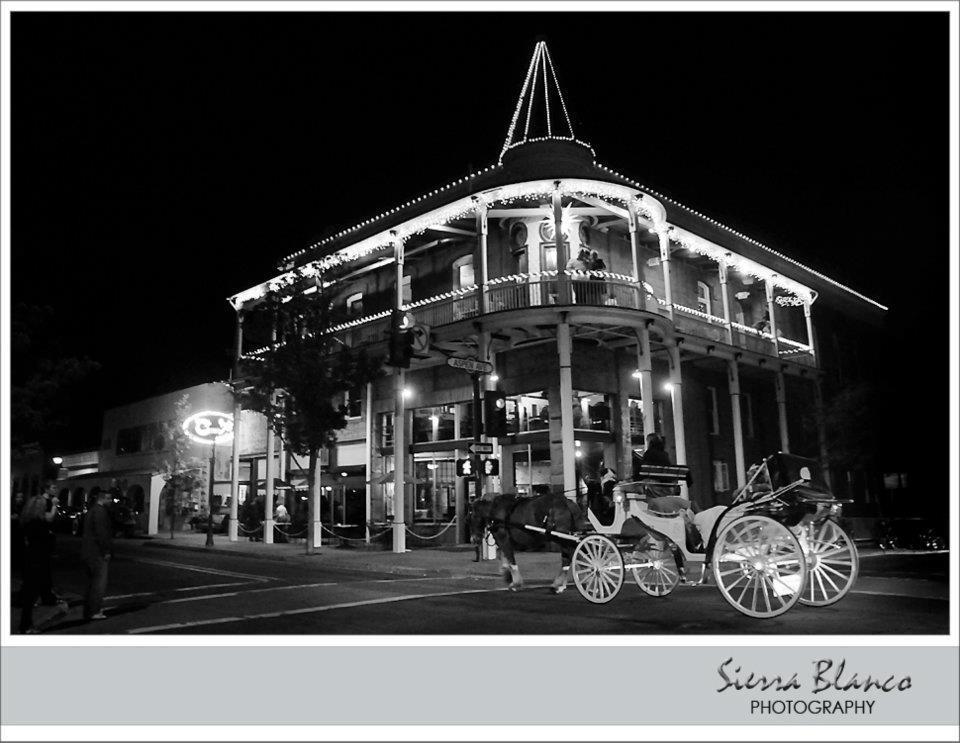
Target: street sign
x,y
481,447
421,338
470,365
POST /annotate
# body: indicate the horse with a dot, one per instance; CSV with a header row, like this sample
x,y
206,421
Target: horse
x,y
505,516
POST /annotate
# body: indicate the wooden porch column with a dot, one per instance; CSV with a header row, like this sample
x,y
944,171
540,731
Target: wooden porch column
x,y
768,286
482,247
821,431
665,265
645,369
676,403
563,284
725,296
564,350
399,424
733,383
269,475
233,526
676,400
781,389
368,461
809,323
635,254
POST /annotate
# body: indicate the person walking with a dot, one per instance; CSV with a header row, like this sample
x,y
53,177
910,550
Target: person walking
x,y
96,549
36,519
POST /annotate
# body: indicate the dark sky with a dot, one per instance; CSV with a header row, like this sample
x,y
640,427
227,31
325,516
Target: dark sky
x,y
164,161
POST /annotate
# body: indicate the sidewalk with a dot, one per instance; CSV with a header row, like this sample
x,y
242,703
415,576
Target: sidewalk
x,y
446,561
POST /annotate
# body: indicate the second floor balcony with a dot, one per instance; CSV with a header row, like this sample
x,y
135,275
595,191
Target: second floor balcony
x,y
520,292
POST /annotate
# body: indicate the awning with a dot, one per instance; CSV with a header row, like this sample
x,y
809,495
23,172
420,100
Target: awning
x,y
388,477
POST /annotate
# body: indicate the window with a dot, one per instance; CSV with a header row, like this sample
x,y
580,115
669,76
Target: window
x,y
635,408
548,260
713,414
528,412
128,440
721,476
355,304
463,274
434,424
703,298
591,411
748,414
406,293
353,402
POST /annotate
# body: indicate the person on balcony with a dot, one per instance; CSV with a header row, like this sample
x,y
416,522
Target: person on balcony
x,y
597,267
578,265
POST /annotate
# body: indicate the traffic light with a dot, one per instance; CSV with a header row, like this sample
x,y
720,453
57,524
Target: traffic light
x,y
494,413
465,468
491,467
401,340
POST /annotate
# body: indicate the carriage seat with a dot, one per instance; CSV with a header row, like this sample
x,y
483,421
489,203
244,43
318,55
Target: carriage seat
x,y
667,505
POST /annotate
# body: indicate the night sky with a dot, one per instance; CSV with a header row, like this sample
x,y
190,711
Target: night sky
x,y
162,162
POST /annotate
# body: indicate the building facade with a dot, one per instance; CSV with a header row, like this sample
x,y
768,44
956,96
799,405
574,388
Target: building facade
x,y
607,310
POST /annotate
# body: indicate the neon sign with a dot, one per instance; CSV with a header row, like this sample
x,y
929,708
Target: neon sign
x,y
209,427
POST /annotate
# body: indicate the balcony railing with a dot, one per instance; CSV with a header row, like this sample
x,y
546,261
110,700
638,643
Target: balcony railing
x,y
553,288
591,288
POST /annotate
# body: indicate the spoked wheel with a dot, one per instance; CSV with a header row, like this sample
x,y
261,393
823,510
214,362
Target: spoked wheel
x,y
597,567
832,563
759,566
655,571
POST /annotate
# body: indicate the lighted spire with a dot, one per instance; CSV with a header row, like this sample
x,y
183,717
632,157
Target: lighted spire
x,y
534,109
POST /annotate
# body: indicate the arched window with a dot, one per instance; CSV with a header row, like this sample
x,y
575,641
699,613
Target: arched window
x,y
703,298
463,274
354,304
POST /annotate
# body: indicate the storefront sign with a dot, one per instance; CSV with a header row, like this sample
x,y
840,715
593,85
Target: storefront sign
x,y
209,427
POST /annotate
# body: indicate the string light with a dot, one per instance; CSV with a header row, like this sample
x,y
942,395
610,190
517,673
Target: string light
x,y
742,236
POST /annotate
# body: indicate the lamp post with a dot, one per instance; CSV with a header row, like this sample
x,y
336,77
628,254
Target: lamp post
x,y
213,464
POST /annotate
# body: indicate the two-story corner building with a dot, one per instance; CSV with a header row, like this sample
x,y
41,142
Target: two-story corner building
x,y
607,310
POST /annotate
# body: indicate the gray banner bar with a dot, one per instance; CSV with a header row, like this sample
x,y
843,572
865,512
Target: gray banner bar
x,y
479,685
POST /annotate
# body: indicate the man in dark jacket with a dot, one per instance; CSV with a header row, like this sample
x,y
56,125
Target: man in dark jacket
x,y
36,518
95,549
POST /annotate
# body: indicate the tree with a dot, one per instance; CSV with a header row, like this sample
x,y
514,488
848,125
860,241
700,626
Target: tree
x,y
44,381
181,471
300,381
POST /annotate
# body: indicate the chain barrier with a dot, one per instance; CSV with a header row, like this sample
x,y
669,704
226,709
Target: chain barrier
x,y
434,536
353,539
248,532
295,535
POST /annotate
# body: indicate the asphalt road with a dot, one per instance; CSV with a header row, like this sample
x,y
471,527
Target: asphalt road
x,y
171,591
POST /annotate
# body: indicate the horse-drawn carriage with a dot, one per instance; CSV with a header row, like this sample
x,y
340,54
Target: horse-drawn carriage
x,y
777,544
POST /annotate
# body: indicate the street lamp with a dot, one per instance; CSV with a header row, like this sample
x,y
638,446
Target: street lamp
x,y
210,427
58,461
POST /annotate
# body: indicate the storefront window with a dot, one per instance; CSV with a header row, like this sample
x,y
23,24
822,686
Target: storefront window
x,y
591,411
435,497
531,470
635,406
528,412
434,424
466,420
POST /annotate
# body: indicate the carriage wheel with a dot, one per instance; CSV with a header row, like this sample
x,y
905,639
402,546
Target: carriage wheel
x,y
657,575
759,566
832,563
597,567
